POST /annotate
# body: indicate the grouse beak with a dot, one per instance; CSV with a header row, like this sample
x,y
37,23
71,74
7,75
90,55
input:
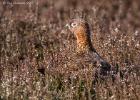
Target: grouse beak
x,y
67,26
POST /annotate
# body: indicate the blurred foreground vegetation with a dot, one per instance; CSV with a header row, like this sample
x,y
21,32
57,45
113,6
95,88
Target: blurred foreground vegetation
x,y
33,36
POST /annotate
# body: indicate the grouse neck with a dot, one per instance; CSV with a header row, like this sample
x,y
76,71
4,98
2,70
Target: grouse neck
x,y
83,42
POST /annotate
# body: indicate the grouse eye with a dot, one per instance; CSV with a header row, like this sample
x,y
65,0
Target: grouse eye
x,y
73,24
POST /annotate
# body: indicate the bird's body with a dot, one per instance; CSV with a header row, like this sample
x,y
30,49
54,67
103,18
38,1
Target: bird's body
x,y
85,51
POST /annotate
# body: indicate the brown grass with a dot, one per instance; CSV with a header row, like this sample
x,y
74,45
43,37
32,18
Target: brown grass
x,y
33,36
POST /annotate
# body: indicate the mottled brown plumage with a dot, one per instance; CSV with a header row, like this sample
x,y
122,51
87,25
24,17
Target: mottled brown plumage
x,y
81,30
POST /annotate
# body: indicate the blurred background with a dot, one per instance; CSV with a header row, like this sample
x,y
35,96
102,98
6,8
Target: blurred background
x,y
33,38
